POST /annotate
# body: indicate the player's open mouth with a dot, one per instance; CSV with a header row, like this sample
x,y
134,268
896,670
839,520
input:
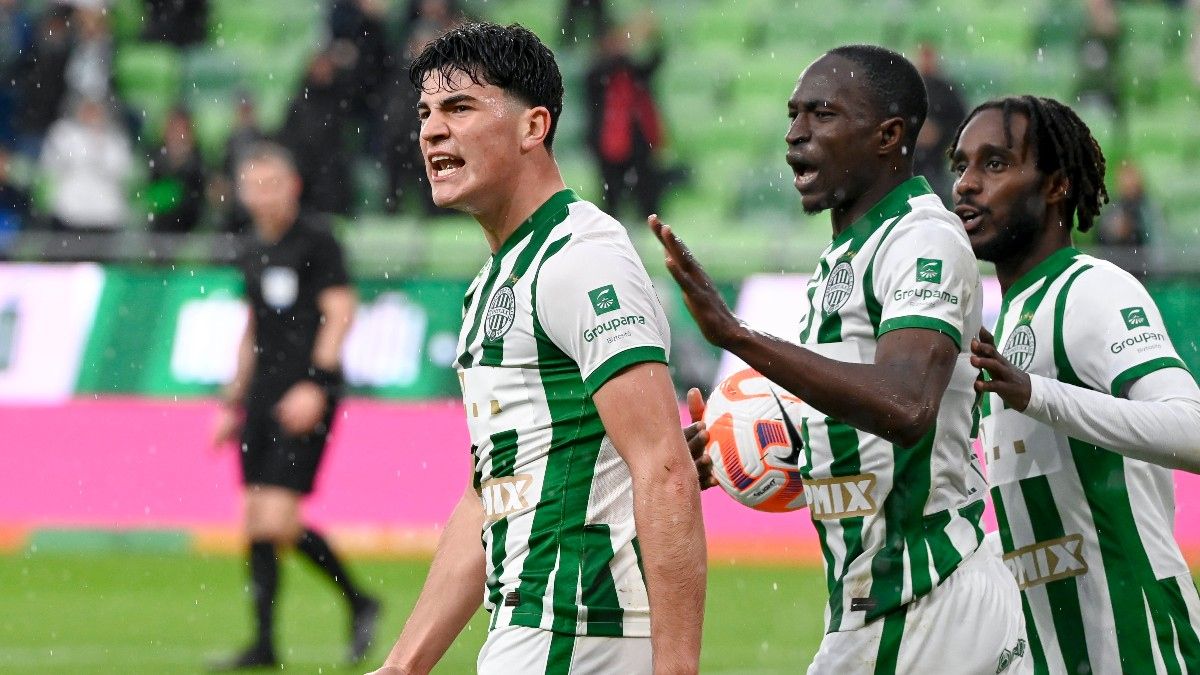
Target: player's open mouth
x,y
443,165
806,174
969,215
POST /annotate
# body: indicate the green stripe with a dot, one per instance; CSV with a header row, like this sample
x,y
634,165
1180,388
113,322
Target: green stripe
x,y
831,325
846,462
889,642
1184,622
620,361
946,556
1141,370
831,576
903,528
1036,651
558,657
604,613
466,360
1064,593
813,311
493,350
1061,359
874,308
504,459
916,321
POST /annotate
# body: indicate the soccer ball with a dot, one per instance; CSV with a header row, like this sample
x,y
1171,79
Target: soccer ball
x,y
754,445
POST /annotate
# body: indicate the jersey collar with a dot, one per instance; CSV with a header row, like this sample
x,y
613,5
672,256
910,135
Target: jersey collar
x,y
543,216
1052,266
895,203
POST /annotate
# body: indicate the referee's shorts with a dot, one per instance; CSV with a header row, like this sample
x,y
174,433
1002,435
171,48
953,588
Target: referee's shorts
x,y
270,456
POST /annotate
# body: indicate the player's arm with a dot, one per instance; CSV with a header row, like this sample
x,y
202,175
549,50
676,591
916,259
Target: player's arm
x,y
452,593
895,398
233,395
305,403
641,418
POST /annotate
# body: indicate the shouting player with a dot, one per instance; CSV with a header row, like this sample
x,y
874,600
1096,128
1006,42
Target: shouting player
x,y
883,365
593,556
1087,409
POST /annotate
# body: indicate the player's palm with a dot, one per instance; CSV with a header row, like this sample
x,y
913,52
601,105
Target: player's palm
x,y
704,303
301,408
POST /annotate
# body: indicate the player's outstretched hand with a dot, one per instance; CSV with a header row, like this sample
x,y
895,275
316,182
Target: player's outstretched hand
x,y
696,436
1005,379
301,408
705,304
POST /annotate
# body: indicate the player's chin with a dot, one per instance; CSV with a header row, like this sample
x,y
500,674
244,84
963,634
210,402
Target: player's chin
x,y
814,202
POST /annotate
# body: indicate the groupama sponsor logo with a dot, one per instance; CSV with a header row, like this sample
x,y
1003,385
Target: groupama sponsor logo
x,y
926,294
1145,337
929,270
1135,317
612,324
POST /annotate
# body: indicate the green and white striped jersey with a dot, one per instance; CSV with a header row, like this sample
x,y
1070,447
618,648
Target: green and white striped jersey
x,y
1087,532
894,522
562,307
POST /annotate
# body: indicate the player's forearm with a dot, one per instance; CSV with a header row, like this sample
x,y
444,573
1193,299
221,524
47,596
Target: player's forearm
x,y
337,314
892,403
671,534
1162,428
453,591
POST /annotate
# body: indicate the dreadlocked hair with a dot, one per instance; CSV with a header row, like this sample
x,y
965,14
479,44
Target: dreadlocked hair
x,y
1062,142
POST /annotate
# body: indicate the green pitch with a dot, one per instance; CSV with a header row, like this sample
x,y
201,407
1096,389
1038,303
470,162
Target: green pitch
x,y
143,613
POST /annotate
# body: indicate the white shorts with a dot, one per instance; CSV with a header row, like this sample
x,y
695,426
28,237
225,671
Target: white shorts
x,y
513,650
972,624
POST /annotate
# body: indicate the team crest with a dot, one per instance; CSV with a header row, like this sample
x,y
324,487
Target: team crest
x,y
838,288
1020,347
501,312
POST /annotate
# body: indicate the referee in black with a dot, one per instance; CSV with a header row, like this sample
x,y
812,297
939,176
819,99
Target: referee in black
x,y
285,392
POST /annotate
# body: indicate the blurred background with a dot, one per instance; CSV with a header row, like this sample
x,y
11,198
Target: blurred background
x,y
121,120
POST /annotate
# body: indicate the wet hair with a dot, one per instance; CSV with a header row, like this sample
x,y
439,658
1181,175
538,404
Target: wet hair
x,y
509,57
894,84
1062,142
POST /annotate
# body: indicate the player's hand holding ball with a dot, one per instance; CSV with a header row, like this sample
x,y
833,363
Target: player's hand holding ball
x,y
301,408
696,435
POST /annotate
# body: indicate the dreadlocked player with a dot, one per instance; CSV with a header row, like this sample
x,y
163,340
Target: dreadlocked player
x,y
1087,408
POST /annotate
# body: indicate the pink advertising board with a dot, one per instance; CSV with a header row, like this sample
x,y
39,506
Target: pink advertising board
x,y
139,463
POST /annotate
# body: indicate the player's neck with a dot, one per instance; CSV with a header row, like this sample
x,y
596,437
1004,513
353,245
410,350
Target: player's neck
x,y
847,214
273,228
1055,237
531,189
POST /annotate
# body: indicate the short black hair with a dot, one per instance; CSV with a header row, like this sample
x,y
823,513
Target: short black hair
x,y
1063,142
509,57
894,83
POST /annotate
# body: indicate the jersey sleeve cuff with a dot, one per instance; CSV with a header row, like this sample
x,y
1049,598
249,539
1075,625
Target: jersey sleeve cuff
x,y
916,321
1141,370
621,360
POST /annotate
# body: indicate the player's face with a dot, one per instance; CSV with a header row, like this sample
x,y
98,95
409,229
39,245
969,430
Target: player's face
x,y
470,139
830,140
269,189
999,191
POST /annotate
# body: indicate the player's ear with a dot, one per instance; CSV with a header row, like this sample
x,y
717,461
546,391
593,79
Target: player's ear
x,y
535,127
891,135
1058,187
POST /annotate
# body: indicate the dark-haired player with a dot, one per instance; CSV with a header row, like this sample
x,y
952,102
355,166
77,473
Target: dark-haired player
x,y
883,365
592,557
287,388
1087,409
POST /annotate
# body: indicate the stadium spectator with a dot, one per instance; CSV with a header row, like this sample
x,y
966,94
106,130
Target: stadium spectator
x,y
177,177
881,366
41,84
284,396
431,17
14,201
362,51
946,110
89,69
244,137
1098,78
16,38
577,13
1087,407
183,23
407,184
576,449
1127,227
315,132
88,162
624,128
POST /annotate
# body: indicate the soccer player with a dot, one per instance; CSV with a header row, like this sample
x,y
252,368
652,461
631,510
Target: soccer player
x,y
883,365
592,557
283,397
1087,409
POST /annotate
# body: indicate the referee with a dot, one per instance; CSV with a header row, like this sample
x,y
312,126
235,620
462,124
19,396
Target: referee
x,y
285,392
